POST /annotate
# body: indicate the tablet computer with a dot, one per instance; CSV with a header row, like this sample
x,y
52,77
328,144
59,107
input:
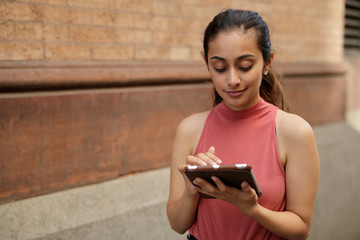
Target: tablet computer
x,y
230,175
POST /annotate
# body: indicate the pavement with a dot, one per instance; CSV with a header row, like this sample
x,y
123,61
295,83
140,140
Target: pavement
x,y
337,209
134,207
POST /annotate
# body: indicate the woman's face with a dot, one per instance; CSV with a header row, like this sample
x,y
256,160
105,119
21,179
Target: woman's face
x,y
236,66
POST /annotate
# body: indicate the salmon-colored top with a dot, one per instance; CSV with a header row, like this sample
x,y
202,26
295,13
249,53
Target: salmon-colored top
x,y
247,136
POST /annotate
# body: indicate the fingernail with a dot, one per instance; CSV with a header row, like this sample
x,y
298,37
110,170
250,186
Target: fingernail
x,y
218,161
203,163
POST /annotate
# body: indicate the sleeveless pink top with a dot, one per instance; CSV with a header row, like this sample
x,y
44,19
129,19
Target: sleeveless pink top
x,y
246,136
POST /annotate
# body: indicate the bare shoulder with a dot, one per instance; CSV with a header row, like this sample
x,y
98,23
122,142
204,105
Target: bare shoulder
x,y
193,123
190,129
292,126
296,140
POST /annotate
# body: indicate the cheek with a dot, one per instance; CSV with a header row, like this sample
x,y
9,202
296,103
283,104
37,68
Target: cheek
x,y
255,77
217,79
252,79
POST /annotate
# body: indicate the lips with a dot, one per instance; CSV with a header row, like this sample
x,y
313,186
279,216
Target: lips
x,y
235,93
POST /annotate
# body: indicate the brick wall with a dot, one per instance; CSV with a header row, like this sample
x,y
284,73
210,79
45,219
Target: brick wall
x,y
158,30
100,30
91,90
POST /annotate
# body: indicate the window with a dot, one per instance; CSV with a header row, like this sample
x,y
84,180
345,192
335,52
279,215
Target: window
x,y
352,26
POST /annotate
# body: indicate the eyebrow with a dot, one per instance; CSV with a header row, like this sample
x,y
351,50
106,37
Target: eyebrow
x,y
238,58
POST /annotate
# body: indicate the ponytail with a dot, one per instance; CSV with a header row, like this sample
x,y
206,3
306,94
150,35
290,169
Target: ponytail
x,y
271,90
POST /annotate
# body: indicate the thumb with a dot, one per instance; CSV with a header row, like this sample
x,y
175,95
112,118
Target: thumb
x,y
245,186
212,150
181,168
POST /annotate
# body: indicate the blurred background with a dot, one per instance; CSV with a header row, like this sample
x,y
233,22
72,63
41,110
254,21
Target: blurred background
x,y
91,92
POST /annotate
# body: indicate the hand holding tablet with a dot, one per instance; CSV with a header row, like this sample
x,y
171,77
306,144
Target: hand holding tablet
x,y
230,175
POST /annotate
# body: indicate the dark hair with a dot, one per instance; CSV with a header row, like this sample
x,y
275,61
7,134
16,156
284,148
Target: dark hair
x,y
270,89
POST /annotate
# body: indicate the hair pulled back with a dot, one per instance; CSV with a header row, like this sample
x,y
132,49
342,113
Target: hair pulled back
x,y
230,19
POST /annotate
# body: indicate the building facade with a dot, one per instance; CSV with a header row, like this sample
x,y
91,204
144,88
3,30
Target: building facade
x,y
93,90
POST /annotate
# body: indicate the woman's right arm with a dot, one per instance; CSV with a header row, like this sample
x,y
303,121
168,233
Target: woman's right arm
x,y
183,198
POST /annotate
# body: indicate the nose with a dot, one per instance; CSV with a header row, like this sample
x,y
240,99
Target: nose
x,y
233,79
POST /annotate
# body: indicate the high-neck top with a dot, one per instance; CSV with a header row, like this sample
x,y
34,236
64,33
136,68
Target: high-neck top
x,y
235,115
246,136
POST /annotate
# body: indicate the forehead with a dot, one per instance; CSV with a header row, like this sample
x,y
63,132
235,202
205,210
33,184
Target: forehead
x,y
234,43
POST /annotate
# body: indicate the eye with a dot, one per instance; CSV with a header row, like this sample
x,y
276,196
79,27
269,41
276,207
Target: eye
x,y
245,69
220,70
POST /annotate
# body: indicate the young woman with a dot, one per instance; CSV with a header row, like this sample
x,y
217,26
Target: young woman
x,y
246,125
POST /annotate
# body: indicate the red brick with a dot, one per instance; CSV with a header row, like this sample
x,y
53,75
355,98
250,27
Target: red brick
x,y
169,9
196,55
180,53
113,53
148,53
168,24
203,2
66,15
28,31
98,4
90,35
134,6
6,30
178,39
143,21
174,24
124,36
67,52
39,32
20,51
169,38
204,12
113,19
21,12
143,37
133,36
195,26
55,33
55,2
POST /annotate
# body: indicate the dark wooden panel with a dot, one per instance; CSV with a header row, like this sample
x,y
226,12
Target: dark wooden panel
x,y
53,141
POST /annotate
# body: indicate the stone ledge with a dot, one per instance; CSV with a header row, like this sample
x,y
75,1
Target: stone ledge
x,y
89,75
84,209
59,75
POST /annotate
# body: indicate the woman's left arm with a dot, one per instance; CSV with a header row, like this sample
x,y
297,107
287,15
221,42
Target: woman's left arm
x,y
296,139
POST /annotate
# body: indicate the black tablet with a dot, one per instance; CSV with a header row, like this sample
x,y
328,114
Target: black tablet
x,y
230,175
